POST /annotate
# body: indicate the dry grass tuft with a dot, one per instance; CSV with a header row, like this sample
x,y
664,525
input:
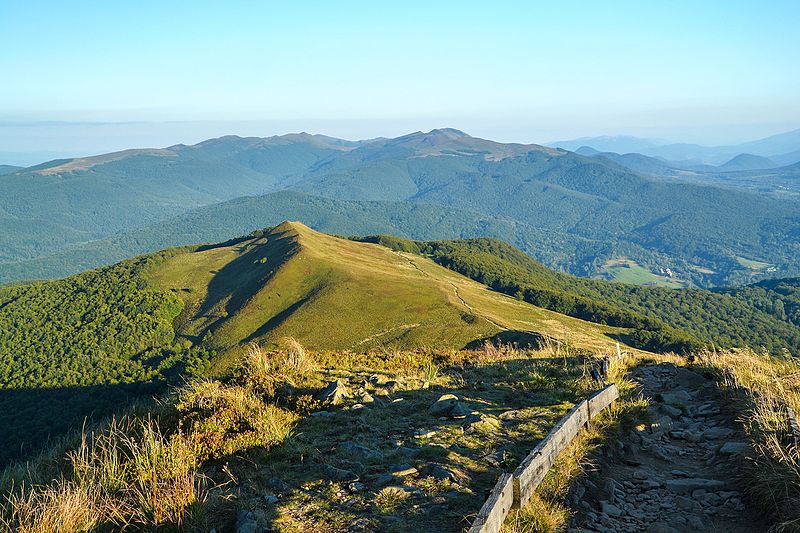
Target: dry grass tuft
x,y
129,474
265,370
765,385
388,499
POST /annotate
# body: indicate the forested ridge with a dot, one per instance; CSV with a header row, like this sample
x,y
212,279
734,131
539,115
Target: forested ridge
x,y
82,347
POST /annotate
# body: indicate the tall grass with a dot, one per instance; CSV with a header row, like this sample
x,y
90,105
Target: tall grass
x,y
265,370
143,473
130,473
763,385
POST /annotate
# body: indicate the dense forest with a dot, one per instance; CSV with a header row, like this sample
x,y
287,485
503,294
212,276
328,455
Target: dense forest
x,y
662,319
778,297
81,346
572,213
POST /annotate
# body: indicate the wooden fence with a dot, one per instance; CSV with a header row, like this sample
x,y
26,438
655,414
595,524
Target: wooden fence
x,y
515,490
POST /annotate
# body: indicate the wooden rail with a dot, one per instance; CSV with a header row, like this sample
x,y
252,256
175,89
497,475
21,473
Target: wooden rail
x,y
515,490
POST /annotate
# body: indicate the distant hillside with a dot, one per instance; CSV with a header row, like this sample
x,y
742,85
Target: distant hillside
x,y
777,297
574,213
748,162
66,202
775,145
8,169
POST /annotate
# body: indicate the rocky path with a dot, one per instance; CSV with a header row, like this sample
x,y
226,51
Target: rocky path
x,y
676,474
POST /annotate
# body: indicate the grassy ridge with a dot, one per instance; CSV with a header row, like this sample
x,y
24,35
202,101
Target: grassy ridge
x,y
333,293
662,319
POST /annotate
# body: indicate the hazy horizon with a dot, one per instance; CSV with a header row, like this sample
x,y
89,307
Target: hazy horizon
x,y
93,77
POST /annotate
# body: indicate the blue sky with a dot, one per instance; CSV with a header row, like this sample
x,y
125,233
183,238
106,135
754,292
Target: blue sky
x,y
93,76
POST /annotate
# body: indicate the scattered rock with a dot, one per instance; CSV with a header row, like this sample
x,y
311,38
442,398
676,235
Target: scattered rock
x,y
441,472
403,470
362,525
610,509
687,485
358,451
443,405
277,484
733,448
246,522
357,486
717,433
339,474
334,393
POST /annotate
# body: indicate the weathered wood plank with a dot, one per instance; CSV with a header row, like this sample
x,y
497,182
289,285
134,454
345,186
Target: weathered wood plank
x,y
602,399
532,470
491,516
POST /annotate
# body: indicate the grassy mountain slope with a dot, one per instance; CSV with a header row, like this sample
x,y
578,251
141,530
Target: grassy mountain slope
x,y
85,345
333,293
735,318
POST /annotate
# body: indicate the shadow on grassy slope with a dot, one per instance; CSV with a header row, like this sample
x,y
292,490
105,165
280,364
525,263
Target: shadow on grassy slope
x,y
32,418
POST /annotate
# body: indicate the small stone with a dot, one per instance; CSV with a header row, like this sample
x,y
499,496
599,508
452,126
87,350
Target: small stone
x,y
361,525
441,472
674,412
687,485
403,470
270,498
661,528
246,522
733,448
277,484
321,413
640,474
357,486
359,451
717,433
339,474
610,509
684,503
383,480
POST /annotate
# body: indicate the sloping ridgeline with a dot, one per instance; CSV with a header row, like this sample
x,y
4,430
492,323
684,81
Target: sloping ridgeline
x,y
661,319
82,347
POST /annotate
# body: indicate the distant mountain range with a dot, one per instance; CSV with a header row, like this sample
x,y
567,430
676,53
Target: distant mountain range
x,y
577,212
781,149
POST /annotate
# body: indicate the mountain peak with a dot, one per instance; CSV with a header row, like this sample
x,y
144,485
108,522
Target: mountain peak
x,y
449,132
